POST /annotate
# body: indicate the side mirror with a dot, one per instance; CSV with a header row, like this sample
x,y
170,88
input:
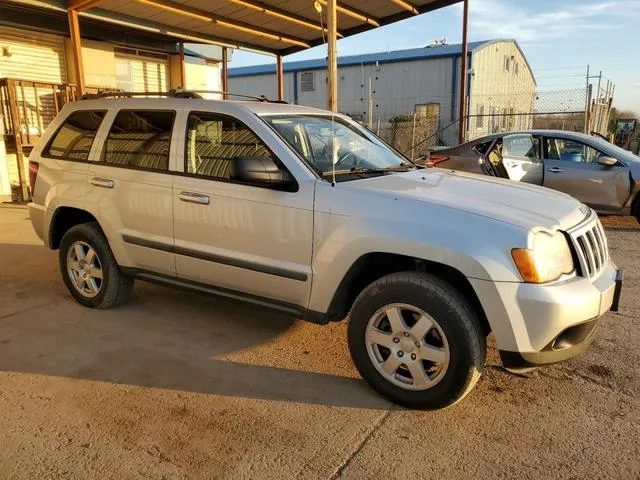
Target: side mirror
x,y
261,170
607,161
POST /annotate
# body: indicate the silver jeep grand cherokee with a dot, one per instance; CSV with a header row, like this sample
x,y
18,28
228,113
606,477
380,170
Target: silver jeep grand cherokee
x,y
307,212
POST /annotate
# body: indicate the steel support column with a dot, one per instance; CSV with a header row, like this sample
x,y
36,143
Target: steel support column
x,y
280,76
225,76
183,72
76,46
332,57
463,76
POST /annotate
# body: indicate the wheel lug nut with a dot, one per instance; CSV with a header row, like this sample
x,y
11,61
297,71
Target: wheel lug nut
x,y
406,334
413,356
396,339
400,353
418,344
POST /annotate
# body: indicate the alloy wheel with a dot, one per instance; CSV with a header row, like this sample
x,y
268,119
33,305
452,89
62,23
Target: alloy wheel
x,y
407,346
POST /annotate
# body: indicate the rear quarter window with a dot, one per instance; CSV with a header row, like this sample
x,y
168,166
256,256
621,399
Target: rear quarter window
x,y
74,139
482,148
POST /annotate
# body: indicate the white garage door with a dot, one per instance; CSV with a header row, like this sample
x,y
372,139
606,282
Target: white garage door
x,y
31,55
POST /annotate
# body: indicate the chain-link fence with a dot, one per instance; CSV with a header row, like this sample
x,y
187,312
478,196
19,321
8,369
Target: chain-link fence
x,y
429,121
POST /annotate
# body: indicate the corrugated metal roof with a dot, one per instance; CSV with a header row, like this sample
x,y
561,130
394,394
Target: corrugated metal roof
x,y
275,26
367,58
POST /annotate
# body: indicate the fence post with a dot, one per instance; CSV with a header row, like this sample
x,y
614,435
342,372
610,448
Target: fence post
x,y
370,106
17,136
413,136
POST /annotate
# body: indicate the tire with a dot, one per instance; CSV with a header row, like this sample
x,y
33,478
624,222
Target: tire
x,y
81,271
454,338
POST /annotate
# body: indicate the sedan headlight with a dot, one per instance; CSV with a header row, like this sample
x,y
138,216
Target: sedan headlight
x,y
548,260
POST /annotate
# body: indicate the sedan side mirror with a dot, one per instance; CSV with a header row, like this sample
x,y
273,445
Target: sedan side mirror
x,y
607,161
262,170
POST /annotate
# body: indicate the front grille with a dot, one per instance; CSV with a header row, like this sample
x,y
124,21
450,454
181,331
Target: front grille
x,y
590,246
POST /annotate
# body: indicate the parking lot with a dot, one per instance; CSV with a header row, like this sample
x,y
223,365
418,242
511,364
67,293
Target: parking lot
x,y
177,385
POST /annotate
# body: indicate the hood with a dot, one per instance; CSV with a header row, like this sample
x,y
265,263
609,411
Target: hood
x,y
520,204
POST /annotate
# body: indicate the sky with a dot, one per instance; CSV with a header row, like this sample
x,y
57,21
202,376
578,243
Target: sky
x,y
559,38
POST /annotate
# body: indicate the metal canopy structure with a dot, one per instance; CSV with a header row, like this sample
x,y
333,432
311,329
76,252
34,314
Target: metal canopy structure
x,y
276,27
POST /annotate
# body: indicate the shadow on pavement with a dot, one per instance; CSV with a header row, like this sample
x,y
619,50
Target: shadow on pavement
x,y
163,338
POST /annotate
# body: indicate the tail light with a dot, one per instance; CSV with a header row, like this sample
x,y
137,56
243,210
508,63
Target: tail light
x,y
33,174
434,160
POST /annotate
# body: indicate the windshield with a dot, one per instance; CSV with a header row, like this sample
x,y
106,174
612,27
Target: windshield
x,y
617,152
324,142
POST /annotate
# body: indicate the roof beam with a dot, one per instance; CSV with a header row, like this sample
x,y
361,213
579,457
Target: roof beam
x,y
353,13
281,14
207,17
80,5
175,32
407,6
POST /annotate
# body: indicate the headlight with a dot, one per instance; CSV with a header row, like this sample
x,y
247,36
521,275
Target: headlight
x,y
548,260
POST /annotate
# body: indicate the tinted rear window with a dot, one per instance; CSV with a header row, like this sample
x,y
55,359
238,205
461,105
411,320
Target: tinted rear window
x,y
140,139
74,138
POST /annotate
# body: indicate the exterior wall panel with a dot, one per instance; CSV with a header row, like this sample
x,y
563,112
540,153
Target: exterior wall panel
x,y
495,91
32,56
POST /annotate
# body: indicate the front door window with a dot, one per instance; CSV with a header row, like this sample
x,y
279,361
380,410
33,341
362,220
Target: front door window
x,y
570,151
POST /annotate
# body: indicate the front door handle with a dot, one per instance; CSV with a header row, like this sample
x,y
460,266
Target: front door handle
x,y
102,182
554,170
191,197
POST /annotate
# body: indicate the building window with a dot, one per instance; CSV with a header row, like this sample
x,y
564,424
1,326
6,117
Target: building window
x,y
140,139
516,67
215,142
480,116
74,139
307,82
507,63
124,75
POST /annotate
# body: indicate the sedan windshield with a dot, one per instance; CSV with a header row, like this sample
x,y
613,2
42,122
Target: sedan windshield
x,y
336,145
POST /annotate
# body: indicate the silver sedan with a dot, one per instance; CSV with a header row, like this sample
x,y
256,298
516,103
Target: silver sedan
x,y
600,174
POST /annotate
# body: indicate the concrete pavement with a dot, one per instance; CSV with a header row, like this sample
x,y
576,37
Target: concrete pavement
x,y
178,385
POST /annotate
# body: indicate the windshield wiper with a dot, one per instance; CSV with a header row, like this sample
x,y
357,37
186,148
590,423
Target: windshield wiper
x,y
403,167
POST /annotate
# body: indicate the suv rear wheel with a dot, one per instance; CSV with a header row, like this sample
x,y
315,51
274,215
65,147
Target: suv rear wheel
x,y
89,269
415,339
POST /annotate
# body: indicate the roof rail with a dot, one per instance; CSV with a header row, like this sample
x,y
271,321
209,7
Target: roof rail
x,y
174,93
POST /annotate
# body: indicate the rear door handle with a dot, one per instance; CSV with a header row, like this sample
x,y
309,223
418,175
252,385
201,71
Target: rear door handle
x,y
102,182
191,197
554,170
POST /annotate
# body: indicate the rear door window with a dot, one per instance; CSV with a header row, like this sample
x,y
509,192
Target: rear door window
x,y
140,139
74,138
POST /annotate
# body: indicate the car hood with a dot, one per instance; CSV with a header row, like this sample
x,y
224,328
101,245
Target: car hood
x,y
520,204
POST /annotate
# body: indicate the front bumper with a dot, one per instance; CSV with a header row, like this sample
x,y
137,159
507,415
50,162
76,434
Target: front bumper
x,y
542,324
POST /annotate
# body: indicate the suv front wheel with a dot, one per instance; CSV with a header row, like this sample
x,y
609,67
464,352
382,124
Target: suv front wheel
x,y
89,269
415,340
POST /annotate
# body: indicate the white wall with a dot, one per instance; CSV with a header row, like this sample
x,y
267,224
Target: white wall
x,y
498,90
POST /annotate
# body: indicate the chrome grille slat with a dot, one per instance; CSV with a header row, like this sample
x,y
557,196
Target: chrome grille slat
x,y
601,250
590,245
595,250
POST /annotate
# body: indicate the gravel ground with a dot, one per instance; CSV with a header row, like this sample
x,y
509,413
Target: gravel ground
x,y
175,385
